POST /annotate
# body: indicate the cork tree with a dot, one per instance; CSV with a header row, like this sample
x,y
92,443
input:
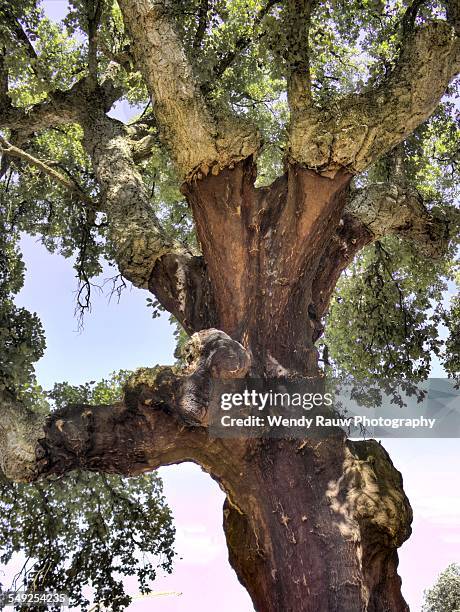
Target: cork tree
x,y
287,193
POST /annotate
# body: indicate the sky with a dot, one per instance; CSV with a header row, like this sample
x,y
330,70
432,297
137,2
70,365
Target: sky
x,y
123,335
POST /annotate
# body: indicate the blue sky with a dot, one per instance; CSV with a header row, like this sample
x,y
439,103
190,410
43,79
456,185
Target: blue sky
x,y
123,335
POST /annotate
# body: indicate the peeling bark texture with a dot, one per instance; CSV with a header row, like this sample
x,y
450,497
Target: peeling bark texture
x,y
135,233
394,209
197,141
274,239
358,129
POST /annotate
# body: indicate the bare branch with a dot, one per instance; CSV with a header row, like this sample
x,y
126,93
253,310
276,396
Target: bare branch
x,y
8,149
360,128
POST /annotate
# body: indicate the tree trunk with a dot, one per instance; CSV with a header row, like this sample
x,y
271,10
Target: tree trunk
x,y
317,526
311,525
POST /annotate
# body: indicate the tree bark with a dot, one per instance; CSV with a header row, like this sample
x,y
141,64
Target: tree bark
x,y
275,238
311,525
316,527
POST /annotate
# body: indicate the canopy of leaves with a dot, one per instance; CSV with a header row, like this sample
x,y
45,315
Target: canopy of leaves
x,y
444,596
239,53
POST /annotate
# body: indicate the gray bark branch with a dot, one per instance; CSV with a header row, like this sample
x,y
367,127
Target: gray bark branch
x,y
359,128
386,209
198,142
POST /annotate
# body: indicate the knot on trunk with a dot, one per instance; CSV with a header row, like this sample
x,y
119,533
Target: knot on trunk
x,y
209,354
212,352
369,500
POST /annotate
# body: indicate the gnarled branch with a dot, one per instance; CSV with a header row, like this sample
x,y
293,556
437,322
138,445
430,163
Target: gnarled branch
x,y
161,420
59,108
359,128
135,232
196,140
395,209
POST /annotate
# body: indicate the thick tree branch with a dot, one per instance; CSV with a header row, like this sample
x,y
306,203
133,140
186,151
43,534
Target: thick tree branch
x,y
395,209
351,236
20,430
182,285
135,232
161,420
60,108
371,213
197,141
360,128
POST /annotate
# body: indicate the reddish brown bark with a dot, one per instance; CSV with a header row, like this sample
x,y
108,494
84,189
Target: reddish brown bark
x,y
311,525
263,248
309,538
